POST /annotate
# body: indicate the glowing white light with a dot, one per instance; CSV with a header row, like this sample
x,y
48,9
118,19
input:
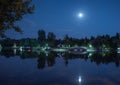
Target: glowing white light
x,y
80,79
118,50
90,54
80,15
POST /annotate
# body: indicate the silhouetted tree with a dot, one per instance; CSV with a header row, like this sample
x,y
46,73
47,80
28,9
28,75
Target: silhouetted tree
x,y
41,37
67,40
12,11
51,36
117,36
51,39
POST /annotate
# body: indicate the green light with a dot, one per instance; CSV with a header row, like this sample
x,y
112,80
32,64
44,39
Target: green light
x,y
103,54
104,46
76,45
0,47
90,54
118,48
90,46
46,45
68,45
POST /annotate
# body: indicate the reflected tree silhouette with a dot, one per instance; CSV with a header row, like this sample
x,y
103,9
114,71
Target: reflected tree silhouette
x,y
49,60
41,61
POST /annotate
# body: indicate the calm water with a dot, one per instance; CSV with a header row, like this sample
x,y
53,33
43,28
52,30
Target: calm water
x,y
35,68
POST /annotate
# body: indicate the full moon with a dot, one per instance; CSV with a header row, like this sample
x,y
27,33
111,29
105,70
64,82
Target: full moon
x,y
80,15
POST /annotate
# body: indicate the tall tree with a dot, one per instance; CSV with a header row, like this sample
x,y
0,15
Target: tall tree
x,y
12,11
117,35
41,35
51,36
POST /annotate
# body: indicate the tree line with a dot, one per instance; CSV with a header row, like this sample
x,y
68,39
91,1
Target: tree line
x,y
49,39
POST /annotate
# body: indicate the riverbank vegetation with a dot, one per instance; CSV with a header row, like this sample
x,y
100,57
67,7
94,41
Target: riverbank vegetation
x,y
105,42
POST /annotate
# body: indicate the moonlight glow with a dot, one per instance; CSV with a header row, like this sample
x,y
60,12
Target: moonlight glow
x,y
80,15
79,79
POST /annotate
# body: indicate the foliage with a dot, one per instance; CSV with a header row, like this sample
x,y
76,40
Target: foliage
x,y
41,35
12,11
98,42
51,36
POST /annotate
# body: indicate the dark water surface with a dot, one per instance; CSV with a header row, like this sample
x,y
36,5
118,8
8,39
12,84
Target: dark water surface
x,y
34,68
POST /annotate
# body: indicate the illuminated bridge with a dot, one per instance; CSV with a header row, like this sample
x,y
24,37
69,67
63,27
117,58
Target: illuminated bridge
x,y
78,50
75,50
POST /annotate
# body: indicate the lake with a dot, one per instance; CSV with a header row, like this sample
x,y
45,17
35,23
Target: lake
x,y
59,68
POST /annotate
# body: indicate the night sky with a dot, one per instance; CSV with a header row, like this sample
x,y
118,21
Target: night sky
x,y
61,17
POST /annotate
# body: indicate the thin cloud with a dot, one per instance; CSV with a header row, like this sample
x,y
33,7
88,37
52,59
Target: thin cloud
x,y
30,22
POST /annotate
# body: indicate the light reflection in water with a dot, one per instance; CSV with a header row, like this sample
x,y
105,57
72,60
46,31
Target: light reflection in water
x,y
90,54
80,79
